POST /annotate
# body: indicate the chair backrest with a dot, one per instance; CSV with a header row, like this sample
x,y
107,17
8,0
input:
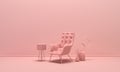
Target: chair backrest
x,y
66,50
67,38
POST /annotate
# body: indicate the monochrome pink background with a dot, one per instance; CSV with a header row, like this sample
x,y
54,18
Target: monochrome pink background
x,y
25,23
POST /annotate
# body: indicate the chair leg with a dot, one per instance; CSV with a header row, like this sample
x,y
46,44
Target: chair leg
x,y
60,59
50,57
70,58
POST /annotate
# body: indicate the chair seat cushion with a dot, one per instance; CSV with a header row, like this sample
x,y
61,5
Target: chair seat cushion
x,y
58,52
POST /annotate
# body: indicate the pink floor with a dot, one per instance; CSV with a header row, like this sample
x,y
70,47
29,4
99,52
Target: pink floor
x,y
29,64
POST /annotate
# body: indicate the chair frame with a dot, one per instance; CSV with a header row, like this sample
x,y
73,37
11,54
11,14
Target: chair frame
x,y
66,50
67,41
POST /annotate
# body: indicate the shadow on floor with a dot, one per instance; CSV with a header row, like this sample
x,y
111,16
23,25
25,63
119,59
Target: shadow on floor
x,y
40,60
64,61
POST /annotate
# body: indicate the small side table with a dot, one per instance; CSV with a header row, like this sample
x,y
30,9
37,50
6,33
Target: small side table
x,y
41,48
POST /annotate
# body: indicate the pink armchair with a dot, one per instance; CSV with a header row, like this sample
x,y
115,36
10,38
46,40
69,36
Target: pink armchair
x,y
64,47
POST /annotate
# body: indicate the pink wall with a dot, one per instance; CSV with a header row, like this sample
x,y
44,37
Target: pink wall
x,y
24,23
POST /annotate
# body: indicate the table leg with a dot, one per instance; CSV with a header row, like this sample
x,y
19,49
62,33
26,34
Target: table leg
x,y
39,55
